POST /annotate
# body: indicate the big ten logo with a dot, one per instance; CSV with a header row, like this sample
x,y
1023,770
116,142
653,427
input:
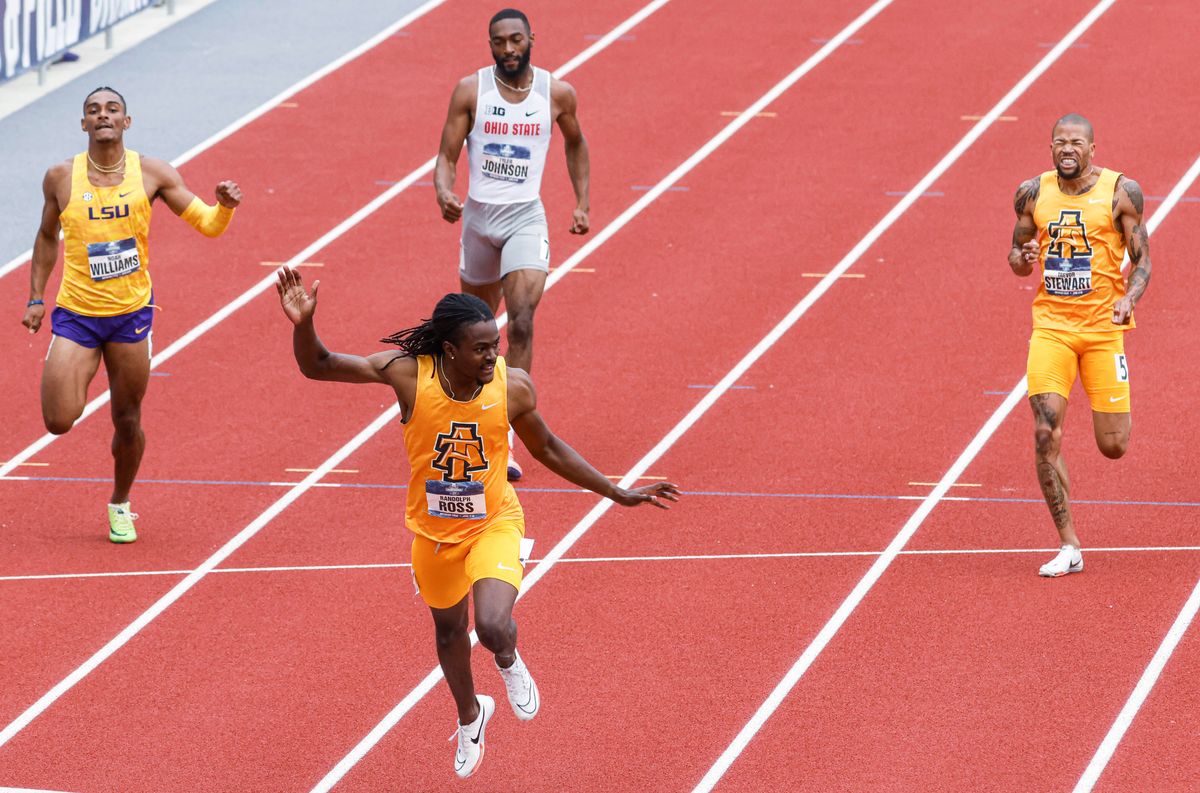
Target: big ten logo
x,y
493,110
109,213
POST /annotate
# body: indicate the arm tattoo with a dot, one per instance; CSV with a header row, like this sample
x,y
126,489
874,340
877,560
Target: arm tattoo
x,y
1027,196
1138,281
1139,245
1023,232
1139,256
1134,191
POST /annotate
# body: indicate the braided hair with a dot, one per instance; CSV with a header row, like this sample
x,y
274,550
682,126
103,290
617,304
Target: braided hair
x,y
451,314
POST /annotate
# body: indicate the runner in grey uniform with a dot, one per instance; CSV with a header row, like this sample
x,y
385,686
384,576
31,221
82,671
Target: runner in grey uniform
x,y
504,114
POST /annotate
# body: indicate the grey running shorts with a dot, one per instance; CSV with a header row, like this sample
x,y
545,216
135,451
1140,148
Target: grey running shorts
x,y
500,238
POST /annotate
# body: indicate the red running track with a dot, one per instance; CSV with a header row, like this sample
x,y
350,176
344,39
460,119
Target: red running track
x,y
279,675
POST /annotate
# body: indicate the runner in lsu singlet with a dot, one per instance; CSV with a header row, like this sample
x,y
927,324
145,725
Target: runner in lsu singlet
x,y
106,292
100,200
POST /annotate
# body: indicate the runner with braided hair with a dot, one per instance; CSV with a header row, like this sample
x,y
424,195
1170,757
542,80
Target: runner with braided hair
x,y
457,401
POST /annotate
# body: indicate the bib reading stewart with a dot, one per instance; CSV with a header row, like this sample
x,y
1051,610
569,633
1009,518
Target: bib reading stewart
x,y
458,456
507,145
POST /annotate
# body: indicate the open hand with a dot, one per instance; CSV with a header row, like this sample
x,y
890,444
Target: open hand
x,y
297,303
229,194
650,494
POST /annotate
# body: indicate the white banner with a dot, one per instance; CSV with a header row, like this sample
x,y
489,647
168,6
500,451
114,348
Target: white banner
x,y
37,31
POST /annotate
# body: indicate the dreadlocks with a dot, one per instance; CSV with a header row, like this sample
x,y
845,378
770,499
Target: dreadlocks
x,y
451,314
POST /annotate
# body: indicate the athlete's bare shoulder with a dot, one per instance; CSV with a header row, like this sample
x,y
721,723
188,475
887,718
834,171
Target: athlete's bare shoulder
x,y
522,396
159,175
56,184
1127,189
562,92
394,366
462,98
1027,195
467,86
59,171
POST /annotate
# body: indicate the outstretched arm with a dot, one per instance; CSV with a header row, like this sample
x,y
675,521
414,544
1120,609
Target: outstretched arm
x,y
1024,252
1130,203
316,362
45,249
555,454
454,134
209,220
576,148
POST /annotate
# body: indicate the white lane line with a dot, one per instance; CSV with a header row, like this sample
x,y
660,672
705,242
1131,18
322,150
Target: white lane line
x,y
768,707
47,699
789,681
1150,676
630,479
329,237
698,557
877,569
274,101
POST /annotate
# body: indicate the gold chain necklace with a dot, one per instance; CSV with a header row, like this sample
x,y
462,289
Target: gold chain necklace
x,y
115,168
450,388
524,90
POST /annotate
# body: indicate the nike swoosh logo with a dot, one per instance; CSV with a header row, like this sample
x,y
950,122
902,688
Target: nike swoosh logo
x,y
489,407
142,328
1095,200
1115,399
527,707
122,195
502,566
531,113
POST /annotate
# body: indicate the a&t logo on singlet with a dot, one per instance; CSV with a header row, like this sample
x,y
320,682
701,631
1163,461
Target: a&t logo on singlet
x,y
1068,266
1068,237
459,452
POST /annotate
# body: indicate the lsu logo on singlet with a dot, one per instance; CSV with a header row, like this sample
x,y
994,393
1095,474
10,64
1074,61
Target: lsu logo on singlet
x,y
109,213
459,454
1068,266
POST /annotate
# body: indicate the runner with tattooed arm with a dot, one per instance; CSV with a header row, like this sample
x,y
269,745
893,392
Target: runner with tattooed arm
x,y
1078,221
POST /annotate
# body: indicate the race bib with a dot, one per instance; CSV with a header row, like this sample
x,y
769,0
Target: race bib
x,y
116,259
463,500
506,162
1068,277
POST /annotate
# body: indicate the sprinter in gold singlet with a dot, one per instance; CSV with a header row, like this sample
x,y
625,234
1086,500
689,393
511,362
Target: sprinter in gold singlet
x,y
458,400
101,199
1078,221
